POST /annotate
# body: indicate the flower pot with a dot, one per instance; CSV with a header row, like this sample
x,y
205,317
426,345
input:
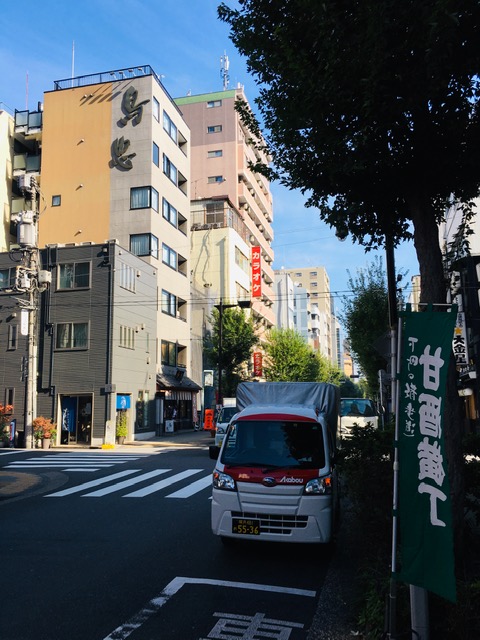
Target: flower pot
x,y
45,443
120,439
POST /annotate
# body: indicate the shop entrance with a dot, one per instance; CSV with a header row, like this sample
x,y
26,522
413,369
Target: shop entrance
x,y
76,419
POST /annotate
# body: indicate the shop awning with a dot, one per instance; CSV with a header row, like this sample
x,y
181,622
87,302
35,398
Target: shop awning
x,y
173,381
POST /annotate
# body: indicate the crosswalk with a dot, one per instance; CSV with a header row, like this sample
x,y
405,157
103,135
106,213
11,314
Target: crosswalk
x,y
81,462
122,481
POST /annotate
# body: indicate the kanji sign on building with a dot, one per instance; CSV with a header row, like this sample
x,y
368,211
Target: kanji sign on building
x,y
426,538
256,273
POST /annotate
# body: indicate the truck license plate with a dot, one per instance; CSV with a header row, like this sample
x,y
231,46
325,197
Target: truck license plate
x,y
244,526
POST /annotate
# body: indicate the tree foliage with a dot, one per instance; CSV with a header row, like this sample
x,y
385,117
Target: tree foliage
x,y
370,108
288,358
365,319
238,340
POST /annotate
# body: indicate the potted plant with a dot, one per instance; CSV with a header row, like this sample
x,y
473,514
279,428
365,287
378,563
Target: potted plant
x,y
121,429
44,430
5,419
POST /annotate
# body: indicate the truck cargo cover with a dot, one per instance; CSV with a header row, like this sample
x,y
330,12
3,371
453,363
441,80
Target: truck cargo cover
x,y
324,397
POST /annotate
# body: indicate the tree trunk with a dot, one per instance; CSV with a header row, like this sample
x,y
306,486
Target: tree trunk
x,y
433,290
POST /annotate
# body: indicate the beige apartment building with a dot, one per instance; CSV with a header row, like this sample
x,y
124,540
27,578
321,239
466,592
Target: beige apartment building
x,y
231,210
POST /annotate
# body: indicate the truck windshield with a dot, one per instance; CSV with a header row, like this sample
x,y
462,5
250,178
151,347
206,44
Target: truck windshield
x,y
226,414
274,444
357,407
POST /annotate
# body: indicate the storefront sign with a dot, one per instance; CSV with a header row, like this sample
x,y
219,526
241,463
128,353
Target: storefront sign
x,y
133,111
424,494
256,273
460,347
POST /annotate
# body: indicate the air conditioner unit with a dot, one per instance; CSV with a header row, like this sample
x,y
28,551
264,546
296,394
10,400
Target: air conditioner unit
x,y
205,226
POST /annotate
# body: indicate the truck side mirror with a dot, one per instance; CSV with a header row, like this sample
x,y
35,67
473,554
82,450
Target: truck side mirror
x,y
213,452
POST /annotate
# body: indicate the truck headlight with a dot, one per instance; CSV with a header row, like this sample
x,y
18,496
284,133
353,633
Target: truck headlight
x,y
223,481
319,486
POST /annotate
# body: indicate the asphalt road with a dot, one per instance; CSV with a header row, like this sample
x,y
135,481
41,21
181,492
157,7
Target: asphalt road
x,y
101,545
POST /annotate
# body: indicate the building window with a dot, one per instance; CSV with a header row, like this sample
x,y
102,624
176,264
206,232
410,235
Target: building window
x,y
169,127
214,103
56,201
241,260
313,274
7,278
72,335
12,337
127,337
169,256
169,212
169,169
169,303
156,155
314,284
215,179
214,213
217,153
169,353
156,109
215,128
74,275
144,198
127,277
144,244
10,397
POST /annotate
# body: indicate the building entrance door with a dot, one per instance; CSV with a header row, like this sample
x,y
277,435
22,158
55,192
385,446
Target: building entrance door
x,y
76,421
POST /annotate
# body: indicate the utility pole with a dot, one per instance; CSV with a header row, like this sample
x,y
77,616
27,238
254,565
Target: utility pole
x,y
30,280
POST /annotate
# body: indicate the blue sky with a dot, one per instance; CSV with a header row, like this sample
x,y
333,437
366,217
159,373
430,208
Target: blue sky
x,y
183,41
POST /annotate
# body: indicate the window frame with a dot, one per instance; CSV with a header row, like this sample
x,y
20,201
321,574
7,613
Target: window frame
x,y
214,128
57,200
167,210
153,198
152,250
71,346
169,303
169,255
73,264
155,154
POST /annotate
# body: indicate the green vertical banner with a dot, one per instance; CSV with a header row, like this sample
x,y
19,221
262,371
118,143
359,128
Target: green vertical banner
x,y
424,506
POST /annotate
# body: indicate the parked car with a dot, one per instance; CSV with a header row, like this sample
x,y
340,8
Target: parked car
x,y
356,412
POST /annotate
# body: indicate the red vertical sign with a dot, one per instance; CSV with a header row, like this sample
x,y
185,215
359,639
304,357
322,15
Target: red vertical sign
x,y
257,364
256,273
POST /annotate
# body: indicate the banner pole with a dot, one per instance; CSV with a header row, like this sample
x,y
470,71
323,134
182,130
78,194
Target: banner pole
x,y
392,610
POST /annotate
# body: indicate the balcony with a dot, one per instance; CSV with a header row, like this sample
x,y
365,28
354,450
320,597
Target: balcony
x,y
29,123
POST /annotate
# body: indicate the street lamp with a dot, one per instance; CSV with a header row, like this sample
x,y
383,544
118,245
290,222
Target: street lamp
x,y
243,304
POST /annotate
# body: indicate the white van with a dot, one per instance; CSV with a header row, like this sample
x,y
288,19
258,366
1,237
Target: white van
x,y
223,420
275,477
356,412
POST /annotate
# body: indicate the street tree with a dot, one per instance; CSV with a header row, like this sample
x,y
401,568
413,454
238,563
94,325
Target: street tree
x,y
371,110
238,339
365,319
288,358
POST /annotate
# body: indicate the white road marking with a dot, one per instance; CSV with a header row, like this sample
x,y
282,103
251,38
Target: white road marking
x,y
195,487
152,607
92,483
126,483
157,486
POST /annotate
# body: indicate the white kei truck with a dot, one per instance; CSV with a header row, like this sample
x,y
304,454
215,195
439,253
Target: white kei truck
x,y
275,477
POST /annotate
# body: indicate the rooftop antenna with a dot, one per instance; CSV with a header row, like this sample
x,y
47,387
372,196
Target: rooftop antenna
x,y
224,66
73,60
